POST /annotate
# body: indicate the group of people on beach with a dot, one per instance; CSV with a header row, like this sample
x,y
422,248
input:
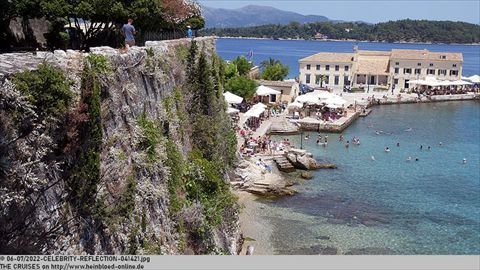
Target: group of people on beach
x,y
264,145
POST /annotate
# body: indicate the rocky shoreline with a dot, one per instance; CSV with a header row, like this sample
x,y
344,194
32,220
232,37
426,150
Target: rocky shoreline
x,y
252,180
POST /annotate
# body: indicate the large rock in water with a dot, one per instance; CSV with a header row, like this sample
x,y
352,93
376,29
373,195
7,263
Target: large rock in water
x,y
303,160
307,163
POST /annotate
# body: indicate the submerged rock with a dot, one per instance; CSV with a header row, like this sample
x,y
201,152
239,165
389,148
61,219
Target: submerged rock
x,y
306,175
313,250
371,251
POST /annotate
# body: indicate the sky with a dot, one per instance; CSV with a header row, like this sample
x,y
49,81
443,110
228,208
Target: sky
x,y
369,11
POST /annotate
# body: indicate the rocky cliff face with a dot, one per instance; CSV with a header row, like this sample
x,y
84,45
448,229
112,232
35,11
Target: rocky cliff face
x,y
132,201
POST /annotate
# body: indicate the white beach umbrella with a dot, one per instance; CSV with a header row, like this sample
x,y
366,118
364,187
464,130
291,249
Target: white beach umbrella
x,y
232,98
420,82
259,105
231,110
310,98
295,105
266,91
474,79
332,106
322,94
254,112
336,100
460,82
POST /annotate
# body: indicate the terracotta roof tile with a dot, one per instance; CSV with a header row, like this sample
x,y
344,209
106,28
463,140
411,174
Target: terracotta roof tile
x,y
426,55
329,57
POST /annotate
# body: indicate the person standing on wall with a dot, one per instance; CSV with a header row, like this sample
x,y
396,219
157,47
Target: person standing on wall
x,y
189,32
128,31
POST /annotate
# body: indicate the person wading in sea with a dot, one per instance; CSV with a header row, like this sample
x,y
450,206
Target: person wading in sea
x,y
128,31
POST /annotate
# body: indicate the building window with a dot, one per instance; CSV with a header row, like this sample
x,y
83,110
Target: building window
x,y
317,79
327,67
443,57
307,78
407,71
454,65
418,71
442,72
396,70
308,67
337,68
318,67
431,71
453,72
346,81
336,80
327,79
395,81
431,64
397,63
419,64
346,68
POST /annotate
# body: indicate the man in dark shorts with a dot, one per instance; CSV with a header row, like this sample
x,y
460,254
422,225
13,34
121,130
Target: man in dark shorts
x,y
128,31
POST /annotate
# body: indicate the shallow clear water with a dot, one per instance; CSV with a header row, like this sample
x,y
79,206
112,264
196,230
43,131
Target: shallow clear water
x,y
290,51
389,205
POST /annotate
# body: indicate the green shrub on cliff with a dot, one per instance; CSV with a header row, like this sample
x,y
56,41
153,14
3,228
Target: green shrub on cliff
x,y
152,134
47,89
85,174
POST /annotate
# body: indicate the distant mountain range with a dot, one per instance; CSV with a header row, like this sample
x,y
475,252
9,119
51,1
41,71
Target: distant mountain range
x,y
253,15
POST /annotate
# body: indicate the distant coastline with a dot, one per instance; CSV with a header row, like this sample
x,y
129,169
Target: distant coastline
x,y
402,31
348,40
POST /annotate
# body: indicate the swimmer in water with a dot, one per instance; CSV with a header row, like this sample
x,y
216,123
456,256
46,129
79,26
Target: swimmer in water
x,y
440,143
318,141
429,148
409,158
398,144
408,130
307,137
416,159
347,144
387,149
421,147
376,132
464,161
373,157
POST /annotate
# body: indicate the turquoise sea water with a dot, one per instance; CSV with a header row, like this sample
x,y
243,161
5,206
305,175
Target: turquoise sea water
x,y
389,205
290,51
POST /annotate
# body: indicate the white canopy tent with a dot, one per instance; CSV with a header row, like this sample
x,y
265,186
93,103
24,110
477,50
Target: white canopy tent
x,y
434,82
460,82
254,112
429,81
474,79
232,98
266,91
314,97
333,106
231,110
259,105
295,105
335,100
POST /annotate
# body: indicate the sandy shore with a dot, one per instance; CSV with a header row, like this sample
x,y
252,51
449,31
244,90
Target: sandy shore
x,y
255,228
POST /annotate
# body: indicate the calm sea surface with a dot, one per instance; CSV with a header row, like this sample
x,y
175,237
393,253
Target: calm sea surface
x,y
388,205
290,51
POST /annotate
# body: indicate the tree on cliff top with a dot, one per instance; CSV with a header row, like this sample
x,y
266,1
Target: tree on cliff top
x,y
96,20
